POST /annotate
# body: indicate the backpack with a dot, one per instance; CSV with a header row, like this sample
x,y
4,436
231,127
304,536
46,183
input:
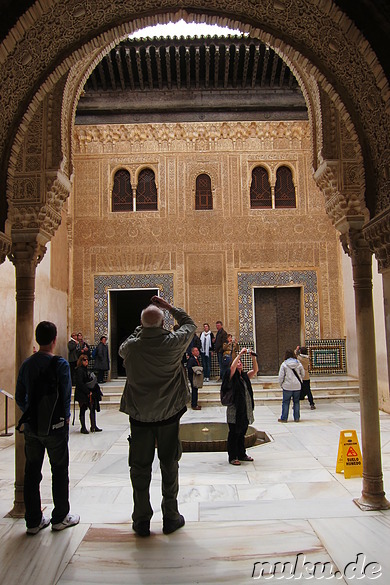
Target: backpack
x,y
45,412
94,353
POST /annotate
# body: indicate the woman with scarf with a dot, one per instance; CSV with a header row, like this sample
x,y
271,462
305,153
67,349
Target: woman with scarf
x,y
240,413
207,345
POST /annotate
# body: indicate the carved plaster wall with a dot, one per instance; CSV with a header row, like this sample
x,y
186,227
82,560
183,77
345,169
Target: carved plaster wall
x,y
204,251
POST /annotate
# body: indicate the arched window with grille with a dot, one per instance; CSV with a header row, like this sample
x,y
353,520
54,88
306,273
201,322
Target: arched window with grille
x,y
203,192
284,188
146,195
122,192
260,193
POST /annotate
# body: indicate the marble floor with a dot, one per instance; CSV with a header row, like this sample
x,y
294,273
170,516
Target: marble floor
x,y
242,523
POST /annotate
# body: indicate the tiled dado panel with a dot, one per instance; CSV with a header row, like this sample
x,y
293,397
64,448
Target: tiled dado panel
x,y
307,279
103,284
327,356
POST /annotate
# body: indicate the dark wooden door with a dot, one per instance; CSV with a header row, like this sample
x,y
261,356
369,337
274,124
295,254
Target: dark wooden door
x,y
126,307
278,325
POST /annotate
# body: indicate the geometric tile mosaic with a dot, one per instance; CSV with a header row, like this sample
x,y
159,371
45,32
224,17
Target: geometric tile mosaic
x,y
327,356
103,284
247,281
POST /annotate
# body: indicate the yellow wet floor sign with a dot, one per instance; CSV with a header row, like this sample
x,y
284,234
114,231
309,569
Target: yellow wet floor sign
x,y
349,457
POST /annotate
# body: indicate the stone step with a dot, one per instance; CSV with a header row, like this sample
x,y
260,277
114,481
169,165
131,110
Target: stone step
x,y
266,390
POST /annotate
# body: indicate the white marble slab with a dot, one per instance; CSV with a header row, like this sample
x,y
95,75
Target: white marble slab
x,y
365,535
289,509
38,559
199,553
253,493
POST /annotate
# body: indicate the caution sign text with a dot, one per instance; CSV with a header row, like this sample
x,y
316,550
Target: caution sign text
x,y
349,457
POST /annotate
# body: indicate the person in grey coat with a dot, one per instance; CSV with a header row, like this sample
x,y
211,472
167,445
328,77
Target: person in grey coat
x,y
291,374
102,360
155,397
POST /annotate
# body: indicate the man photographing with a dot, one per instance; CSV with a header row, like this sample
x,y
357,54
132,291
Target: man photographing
x,y
155,397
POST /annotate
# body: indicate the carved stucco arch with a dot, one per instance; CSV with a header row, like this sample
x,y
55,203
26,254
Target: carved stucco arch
x,y
266,165
82,61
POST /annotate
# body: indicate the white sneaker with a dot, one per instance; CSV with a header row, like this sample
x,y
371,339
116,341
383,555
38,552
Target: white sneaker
x,y
44,523
69,520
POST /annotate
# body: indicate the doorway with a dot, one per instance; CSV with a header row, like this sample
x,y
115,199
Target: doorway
x,y
125,312
277,325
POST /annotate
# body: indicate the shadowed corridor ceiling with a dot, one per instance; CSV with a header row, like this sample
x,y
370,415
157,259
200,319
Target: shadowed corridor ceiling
x,y
190,79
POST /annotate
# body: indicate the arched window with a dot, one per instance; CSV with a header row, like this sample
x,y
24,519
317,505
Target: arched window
x,y
284,188
146,195
260,189
122,192
203,193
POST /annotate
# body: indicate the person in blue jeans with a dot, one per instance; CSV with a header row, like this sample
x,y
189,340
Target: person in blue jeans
x,y
53,439
291,374
206,350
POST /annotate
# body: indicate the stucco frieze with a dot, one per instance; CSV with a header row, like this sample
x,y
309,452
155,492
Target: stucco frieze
x,y
34,217
195,136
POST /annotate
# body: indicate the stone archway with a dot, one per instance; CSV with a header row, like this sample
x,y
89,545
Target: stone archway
x,y
351,170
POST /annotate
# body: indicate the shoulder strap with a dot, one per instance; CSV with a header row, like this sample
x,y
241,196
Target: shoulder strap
x,y
298,378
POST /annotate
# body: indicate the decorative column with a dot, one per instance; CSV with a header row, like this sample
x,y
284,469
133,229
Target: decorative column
x,y
354,243
386,304
25,256
377,233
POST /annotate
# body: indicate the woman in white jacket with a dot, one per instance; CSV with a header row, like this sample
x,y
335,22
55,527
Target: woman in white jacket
x,y
291,374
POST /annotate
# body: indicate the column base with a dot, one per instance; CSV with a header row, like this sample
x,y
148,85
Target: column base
x,y
371,503
17,511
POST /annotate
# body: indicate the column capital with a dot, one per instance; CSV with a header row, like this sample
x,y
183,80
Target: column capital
x,y
26,254
352,239
377,234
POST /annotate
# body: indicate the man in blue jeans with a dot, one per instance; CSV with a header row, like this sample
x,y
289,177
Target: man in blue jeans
x,y
155,398
33,373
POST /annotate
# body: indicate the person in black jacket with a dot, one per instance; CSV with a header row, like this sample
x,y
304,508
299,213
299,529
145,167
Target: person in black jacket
x,y
240,413
193,361
87,394
102,360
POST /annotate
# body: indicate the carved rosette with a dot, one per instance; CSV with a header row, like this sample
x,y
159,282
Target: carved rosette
x,y
377,234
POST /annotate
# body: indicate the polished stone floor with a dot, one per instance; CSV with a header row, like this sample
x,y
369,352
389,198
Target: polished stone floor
x,y
242,523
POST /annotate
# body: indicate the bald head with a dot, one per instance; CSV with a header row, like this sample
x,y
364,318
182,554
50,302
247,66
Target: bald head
x,y
152,316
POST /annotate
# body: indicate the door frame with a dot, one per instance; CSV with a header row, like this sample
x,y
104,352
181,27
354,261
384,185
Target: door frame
x,y
302,310
109,319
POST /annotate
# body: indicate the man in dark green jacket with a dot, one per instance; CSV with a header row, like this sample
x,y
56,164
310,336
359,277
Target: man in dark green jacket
x,y
155,398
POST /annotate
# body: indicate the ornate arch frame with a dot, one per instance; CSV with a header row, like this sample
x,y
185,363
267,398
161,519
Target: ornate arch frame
x,y
367,102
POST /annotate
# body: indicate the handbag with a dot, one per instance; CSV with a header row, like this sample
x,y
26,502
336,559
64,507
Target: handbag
x,y
197,379
303,393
